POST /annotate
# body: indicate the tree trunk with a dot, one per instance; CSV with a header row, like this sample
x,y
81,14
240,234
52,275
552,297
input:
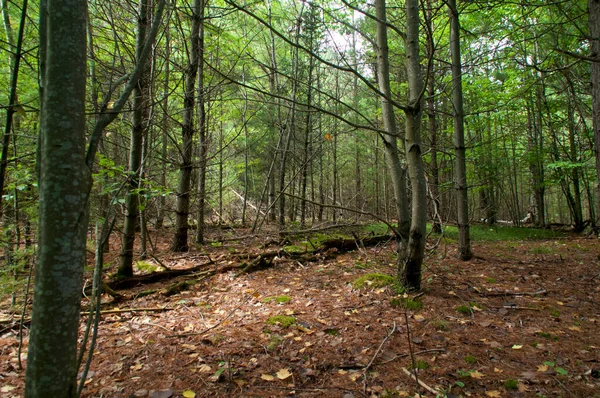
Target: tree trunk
x,y
594,26
15,62
202,134
390,139
410,271
64,186
180,241
162,200
135,152
462,199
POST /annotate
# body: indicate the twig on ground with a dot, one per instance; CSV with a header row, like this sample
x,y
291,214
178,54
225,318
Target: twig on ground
x,y
421,383
500,294
212,327
416,353
410,350
118,311
158,261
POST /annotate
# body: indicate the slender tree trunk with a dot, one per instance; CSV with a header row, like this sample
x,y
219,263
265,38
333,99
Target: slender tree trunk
x,y
410,271
594,27
162,201
202,133
64,185
434,180
390,139
180,241
288,131
135,153
15,63
462,197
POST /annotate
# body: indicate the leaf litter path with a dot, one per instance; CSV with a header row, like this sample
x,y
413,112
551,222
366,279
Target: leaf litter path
x,y
519,320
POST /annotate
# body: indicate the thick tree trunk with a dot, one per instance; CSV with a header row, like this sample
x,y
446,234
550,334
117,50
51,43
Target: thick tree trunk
x,y
180,240
410,271
462,198
64,186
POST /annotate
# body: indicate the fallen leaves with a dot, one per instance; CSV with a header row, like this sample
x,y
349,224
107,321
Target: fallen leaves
x,y
476,374
283,374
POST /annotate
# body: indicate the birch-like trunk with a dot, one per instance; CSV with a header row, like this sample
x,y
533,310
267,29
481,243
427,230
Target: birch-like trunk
x,y
410,270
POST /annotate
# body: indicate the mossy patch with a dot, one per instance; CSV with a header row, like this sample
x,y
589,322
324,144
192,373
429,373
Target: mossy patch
x,y
145,266
407,303
278,299
282,320
373,281
511,384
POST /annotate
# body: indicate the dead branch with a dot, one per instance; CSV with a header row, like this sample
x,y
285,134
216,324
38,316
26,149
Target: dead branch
x,y
120,311
214,326
421,383
502,294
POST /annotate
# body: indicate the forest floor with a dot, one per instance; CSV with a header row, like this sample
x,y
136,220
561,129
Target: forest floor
x,y
521,319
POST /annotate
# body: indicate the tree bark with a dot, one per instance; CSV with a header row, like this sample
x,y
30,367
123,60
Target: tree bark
x,y
390,139
180,240
594,27
64,185
202,134
462,197
410,271
140,98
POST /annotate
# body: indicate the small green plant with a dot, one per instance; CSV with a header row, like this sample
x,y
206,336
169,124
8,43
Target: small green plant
x,y
558,369
420,365
409,304
278,299
440,325
511,384
464,309
547,336
470,359
463,373
555,313
490,280
274,341
541,250
373,281
282,320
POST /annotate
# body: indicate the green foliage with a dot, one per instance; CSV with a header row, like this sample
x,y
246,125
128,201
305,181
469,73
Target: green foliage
x,y
281,320
373,281
501,233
